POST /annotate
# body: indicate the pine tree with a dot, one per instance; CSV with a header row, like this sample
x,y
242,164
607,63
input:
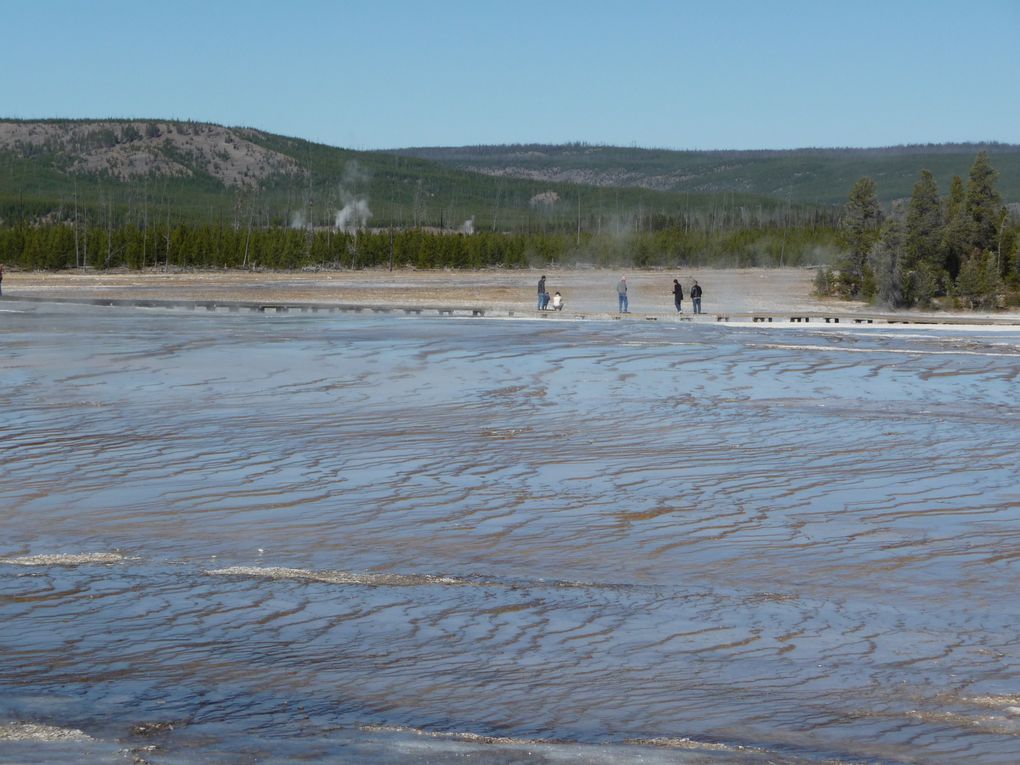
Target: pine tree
x,y
983,205
979,280
859,232
955,237
924,225
978,283
922,273
887,259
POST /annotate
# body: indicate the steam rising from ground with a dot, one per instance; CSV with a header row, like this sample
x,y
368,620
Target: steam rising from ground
x,y
354,215
355,212
545,199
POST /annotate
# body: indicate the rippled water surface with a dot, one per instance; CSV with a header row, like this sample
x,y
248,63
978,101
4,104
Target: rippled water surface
x,y
228,538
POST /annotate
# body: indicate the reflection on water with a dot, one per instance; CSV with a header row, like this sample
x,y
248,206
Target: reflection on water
x,y
285,539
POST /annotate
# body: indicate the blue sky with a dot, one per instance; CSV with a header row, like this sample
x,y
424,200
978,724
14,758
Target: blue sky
x,y
723,74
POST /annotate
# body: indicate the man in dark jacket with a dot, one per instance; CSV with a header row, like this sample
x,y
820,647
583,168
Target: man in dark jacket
x,y
541,293
678,296
696,297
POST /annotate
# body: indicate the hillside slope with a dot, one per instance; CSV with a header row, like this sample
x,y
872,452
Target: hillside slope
x,y
132,150
198,172
820,176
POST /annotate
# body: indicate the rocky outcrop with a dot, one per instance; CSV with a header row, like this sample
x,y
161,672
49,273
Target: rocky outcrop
x,y
128,150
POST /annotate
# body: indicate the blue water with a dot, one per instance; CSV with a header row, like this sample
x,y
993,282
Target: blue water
x,y
383,539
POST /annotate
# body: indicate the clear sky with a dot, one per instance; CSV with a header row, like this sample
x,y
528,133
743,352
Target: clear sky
x,y
713,74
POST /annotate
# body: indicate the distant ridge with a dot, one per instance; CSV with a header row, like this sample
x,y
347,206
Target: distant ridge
x,y
907,148
809,175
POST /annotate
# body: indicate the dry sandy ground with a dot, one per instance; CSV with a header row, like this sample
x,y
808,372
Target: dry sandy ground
x,y
778,292
592,291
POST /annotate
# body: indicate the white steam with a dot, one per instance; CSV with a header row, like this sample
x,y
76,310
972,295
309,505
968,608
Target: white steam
x,y
468,226
544,199
355,212
354,215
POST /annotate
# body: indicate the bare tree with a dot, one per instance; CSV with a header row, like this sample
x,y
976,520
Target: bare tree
x,y
166,263
77,255
145,217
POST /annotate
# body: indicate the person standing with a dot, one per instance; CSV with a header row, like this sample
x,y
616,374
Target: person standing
x,y
696,296
621,293
1,281
541,293
678,296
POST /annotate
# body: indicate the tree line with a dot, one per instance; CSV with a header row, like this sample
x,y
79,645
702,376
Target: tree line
x,y
960,250
175,247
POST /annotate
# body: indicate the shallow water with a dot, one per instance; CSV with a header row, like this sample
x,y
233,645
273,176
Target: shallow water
x,y
408,540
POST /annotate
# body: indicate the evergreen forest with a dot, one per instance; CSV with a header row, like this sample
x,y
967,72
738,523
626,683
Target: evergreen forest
x,y
933,250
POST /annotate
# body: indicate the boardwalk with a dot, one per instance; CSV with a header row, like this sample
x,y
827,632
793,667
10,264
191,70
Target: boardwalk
x,y
235,306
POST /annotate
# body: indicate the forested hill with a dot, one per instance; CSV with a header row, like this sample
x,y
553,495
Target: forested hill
x,y
178,172
189,172
820,176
